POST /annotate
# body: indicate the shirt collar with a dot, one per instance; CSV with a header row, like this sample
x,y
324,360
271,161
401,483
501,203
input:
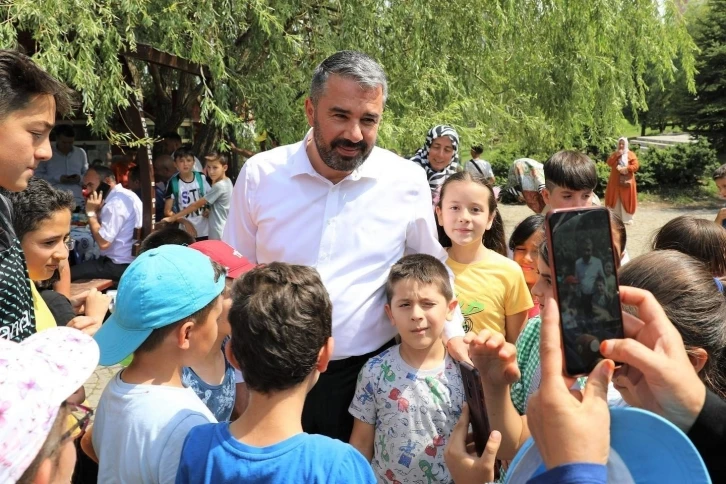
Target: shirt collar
x,y
301,163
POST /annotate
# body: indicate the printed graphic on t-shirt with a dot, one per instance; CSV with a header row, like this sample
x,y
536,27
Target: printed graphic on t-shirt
x,y
472,308
188,193
413,411
17,319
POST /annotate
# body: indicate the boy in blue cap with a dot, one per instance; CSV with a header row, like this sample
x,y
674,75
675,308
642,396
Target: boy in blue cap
x,y
167,306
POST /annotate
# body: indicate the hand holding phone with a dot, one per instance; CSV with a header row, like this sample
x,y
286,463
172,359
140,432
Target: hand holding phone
x,y
583,263
477,408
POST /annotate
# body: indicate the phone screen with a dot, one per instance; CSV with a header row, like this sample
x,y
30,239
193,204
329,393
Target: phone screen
x,y
477,409
583,264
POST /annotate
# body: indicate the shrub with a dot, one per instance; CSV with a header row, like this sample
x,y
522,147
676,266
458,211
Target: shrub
x,y
681,165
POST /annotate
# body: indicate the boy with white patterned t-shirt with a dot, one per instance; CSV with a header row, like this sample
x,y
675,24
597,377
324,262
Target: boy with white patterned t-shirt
x,y
184,188
410,396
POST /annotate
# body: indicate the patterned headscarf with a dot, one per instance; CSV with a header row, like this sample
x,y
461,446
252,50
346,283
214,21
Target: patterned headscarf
x,y
437,178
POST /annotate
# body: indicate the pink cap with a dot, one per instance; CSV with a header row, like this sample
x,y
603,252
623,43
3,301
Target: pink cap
x,y
36,377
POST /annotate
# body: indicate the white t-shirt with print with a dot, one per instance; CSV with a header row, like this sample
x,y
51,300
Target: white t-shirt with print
x,y
190,192
414,412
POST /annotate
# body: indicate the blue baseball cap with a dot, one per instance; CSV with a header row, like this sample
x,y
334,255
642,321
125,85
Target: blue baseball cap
x,y
644,447
159,288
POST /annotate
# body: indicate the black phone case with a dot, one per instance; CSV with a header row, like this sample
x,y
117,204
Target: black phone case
x,y
477,408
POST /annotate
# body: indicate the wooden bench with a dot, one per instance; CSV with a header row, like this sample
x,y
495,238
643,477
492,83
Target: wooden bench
x,y
79,287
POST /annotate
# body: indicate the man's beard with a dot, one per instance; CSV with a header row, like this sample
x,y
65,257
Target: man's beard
x,y
335,160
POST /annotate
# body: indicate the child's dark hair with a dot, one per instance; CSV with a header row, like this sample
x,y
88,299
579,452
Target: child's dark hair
x,y
183,152
477,149
699,238
693,302
422,268
21,80
281,316
525,229
158,335
570,169
720,172
51,448
493,238
216,157
166,236
38,202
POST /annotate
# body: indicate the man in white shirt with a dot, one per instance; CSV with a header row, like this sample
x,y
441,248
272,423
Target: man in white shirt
x,y
112,228
68,163
337,203
588,268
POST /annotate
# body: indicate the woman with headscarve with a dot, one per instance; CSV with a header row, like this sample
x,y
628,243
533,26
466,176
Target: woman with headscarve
x,y
621,194
439,156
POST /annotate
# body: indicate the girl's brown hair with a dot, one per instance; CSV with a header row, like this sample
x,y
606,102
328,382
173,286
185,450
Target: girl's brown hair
x,y
699,238
494,237
693,301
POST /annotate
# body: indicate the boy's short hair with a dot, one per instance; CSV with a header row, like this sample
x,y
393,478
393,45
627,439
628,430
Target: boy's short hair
x,y
422,268
167,236
570,169
183,152
21,80
158,335
281,316
37,203
720,172
216,157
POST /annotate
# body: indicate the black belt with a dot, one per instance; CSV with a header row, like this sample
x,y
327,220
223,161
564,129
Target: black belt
x,y
359,361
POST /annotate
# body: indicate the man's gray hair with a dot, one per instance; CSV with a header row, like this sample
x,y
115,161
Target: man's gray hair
x,y
351,65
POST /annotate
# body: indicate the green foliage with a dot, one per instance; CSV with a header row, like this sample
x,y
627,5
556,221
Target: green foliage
x,y
706,111
684,165
538,75
603,175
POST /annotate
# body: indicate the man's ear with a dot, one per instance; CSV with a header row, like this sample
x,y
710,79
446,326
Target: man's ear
x,y
452,307
546,196
698,357
182,334
310,111
325,354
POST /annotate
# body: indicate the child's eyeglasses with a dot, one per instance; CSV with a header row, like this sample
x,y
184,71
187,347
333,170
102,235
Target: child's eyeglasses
x,y
77,421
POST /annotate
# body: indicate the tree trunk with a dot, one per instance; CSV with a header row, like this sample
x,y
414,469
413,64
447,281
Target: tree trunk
x,y
642,129
206,139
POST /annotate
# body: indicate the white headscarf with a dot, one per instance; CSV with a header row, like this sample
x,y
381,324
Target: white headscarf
x,y
624,157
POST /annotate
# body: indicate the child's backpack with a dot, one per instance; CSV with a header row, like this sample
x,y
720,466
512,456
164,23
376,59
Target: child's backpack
x,y
175,188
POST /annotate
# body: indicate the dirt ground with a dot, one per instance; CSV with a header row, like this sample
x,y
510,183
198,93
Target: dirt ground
x,y
648,219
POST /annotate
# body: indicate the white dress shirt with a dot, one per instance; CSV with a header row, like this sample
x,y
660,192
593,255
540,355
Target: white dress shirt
x,y
120,215
74,163
351,232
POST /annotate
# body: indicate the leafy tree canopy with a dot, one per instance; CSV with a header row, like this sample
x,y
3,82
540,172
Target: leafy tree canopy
x,y
539,73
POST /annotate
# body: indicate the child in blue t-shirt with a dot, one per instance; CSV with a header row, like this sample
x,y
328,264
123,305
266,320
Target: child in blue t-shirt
x,y
410,396
281,318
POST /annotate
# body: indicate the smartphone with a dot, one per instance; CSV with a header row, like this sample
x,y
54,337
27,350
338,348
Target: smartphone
x,y
477,408
103,188
583,263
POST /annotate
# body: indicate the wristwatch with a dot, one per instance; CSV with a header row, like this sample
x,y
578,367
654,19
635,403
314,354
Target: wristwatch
x,y
90,214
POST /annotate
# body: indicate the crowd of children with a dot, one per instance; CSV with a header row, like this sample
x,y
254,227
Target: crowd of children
x,y
222,353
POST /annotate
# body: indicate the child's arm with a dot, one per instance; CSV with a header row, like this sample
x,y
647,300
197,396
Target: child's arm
x,y
362,438
168,204
190,209
514,325
496,361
